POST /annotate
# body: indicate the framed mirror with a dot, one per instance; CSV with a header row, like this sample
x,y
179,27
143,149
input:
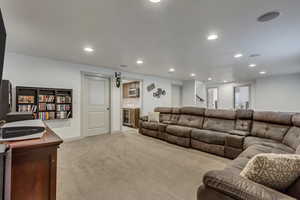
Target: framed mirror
x,y
212,98
242,97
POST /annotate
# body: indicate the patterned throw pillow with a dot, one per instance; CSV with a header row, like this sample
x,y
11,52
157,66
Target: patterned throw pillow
x,y
153,116
277,171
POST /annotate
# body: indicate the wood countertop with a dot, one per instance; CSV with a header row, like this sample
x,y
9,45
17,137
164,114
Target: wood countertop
x,y
49,139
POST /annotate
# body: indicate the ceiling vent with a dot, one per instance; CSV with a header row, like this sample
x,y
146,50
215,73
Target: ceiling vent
x,y
123,66
254,55
268,16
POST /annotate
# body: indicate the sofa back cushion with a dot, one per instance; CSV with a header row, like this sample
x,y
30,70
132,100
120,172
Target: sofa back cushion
x,y
175,115
292,138
191,121
165,113
271,125
219,120
244,120
191,117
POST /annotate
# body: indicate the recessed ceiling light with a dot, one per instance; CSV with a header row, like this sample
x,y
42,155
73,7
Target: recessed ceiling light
x,y
238,55
252,65
139,62
212,37
192,75
210,78
154,1
268,16
262,72
88,49
225,81
171,70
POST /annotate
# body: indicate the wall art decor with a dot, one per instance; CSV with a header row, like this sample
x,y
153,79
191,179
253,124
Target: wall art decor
x,y
150,87
118,79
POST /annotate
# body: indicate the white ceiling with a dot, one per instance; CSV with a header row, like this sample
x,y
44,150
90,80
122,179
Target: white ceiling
x,y
169,34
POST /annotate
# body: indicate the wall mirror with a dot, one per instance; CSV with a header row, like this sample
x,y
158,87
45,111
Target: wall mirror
x,y
242,97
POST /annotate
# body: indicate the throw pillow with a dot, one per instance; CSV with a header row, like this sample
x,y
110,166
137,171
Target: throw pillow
x,y
277,171
153,116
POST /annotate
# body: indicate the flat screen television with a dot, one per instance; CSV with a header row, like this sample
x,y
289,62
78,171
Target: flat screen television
x,y
2,45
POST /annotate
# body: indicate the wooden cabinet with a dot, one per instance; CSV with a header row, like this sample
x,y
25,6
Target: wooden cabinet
x,y
31,168
131,90
131,117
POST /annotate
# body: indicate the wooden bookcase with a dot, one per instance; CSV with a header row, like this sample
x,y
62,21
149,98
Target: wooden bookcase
x,y
45,103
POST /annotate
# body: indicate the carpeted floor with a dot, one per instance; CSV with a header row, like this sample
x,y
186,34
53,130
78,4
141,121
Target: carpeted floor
x,y
129,166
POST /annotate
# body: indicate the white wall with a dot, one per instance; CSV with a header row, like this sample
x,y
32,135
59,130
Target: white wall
x,y
24,70
278,93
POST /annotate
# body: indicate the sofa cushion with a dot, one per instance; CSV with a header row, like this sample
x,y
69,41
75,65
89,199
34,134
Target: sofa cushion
x,y
257,149
190,121
210,148
273,117
235,141
165,113
151,133
221,114
179,131
210,137
238,164
192,111
243,125
175,115
292,138
237,187
166,110
269,131
249,141
277,171
244,114
296,120
215,124
181,141
150,125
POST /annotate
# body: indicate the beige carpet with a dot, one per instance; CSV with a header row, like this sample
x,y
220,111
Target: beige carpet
x,y
129,166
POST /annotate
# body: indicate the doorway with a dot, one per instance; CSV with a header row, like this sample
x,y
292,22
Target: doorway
x,y
96,105
176,95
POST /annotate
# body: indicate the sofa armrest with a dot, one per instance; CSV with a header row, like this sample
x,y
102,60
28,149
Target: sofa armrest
x,y
144,118
232,184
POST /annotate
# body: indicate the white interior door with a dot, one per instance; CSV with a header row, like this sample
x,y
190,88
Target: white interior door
x,y
96,105
176,95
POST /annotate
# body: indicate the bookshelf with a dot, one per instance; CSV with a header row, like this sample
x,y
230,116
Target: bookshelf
x,y
45,103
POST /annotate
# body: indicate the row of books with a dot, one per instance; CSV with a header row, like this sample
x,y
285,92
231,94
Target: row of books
x,y
46,115
45,106
63,99
46,98
63,107
25,99
63,115
27,108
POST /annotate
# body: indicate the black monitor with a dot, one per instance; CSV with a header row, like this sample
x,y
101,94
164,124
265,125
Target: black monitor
x,y
2,44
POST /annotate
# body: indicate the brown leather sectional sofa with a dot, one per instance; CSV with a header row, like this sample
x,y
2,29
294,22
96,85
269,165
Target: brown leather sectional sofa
x,y
237,135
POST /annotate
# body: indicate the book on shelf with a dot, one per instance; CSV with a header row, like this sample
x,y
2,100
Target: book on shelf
x,y
63,99
46,98
25,99
26,108
63,115
46,115
63,107
46,106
